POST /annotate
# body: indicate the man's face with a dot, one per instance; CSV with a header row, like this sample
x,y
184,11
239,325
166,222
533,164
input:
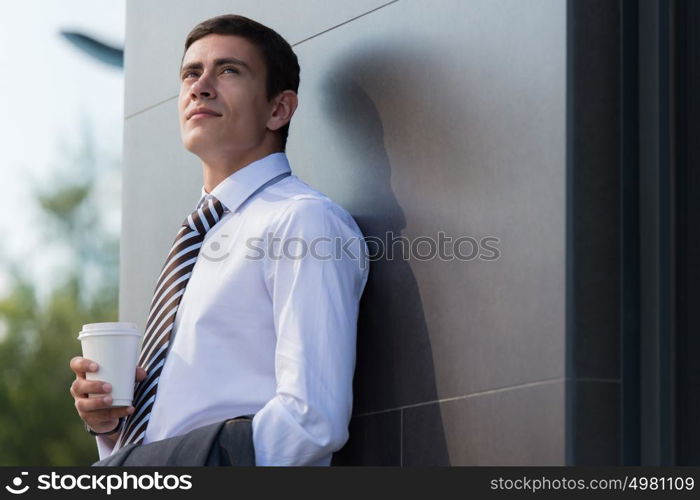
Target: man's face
x,y
227,75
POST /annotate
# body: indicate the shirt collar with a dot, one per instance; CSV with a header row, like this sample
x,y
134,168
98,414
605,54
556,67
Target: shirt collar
x,y
241,184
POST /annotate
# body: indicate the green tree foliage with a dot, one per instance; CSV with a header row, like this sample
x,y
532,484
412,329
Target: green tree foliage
x,y
38,335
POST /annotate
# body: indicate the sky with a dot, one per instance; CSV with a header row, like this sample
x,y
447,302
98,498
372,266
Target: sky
x,y
51,90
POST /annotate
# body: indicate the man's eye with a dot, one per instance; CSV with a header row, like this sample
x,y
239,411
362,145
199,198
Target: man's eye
x,y
232,69
186,75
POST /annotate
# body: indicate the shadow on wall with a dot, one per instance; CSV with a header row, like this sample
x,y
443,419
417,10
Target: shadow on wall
x,y
394,356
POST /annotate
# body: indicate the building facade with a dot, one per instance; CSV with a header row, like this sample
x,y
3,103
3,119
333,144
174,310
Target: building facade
x,y
483,146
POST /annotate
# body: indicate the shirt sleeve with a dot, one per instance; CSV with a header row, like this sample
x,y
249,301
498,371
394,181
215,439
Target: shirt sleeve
x,y
315,271
104,446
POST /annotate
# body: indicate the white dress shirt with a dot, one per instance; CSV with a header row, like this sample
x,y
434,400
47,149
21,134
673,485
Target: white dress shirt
x,y
265,328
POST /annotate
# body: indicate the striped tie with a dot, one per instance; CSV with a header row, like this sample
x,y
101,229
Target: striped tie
x,y
166,299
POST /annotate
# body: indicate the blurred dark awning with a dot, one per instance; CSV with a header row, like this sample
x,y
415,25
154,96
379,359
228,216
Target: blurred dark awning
x,y
113,56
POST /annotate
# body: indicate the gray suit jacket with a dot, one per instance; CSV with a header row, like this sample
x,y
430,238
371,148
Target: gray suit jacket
x,y
226,443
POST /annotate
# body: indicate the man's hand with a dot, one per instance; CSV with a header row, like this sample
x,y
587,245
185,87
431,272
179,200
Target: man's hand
x,y
96,412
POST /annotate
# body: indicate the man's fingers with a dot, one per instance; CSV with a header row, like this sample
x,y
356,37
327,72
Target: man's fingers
x,y
108,424
75,365
85,405
81,387
97,412
81,365
97,417
99,408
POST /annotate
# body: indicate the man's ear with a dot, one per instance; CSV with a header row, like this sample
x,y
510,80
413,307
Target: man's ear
x,y
285,104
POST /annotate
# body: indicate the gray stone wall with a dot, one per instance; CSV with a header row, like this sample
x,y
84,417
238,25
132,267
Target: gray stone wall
x,y
420,118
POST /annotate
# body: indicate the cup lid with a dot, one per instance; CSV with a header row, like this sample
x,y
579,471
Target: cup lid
x,y
92,329
100,327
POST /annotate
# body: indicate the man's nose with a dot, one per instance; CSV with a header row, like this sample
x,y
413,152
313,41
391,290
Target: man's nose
x,y
202,87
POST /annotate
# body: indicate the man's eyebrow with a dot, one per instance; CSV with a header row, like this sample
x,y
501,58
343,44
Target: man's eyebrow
x,y
217,62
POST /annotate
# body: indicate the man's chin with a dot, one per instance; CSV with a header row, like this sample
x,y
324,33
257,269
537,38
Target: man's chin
x,y
195,143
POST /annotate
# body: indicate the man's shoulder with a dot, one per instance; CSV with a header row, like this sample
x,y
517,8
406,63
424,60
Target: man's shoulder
x,y
292,188
293,199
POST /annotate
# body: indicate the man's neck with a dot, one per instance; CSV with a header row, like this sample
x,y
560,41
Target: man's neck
x,y
215,171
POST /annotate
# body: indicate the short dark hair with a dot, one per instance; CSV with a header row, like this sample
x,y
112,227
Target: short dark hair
x,y
280,61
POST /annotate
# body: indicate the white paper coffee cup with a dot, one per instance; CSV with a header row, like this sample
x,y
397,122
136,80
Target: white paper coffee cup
x,y
115,348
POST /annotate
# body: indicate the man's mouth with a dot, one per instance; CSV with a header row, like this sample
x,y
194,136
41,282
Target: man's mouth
x,y
203,115
202,112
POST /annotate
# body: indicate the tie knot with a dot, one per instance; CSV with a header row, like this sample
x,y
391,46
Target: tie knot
x,y
209,211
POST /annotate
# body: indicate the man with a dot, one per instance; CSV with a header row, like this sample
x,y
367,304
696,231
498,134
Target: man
x,y
265,324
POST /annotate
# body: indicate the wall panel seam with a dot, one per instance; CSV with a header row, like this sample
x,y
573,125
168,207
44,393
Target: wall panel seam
x,y
343,23
401,438
466,396
148,108
127,117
